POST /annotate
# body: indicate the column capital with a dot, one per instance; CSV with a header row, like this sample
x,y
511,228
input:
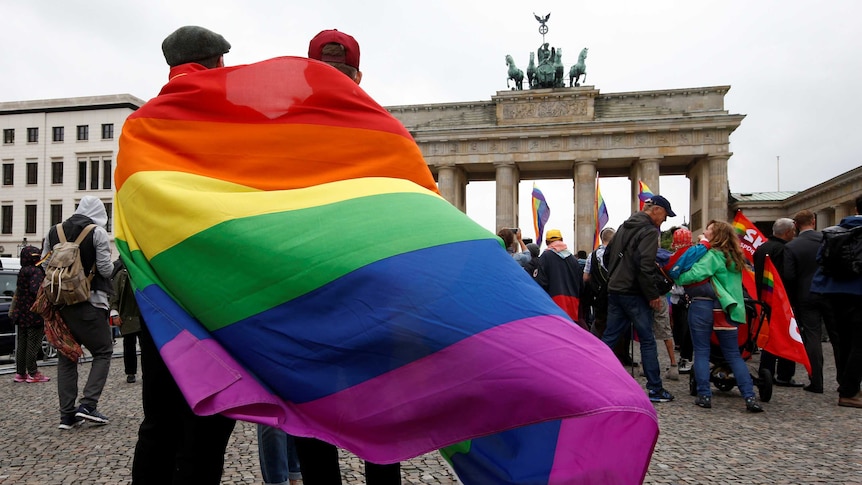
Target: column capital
x,y
582,161
657,158
719,156
504,164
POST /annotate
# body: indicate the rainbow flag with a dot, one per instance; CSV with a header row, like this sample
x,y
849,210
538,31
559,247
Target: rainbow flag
x,y
644,193
275,223
781,336
750,237
541,213
600,212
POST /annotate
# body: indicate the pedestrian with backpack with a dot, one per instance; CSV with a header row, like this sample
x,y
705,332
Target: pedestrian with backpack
x,y
87,319
843,292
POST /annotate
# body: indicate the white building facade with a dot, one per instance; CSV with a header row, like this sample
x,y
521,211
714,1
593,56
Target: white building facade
x,y
53,153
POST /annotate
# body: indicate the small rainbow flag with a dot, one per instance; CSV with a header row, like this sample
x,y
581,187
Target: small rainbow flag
x,y
600,214
541,213
644,193
274,221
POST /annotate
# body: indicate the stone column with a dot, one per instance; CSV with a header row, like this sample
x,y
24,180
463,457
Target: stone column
x,y
825,218
841,211
585,202
646,170
717,188
451,181
507,194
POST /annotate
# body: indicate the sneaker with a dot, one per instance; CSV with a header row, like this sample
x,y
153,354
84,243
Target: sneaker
x,y
752,406
20,378
38,377
660,395
91,415
69,421
130,378
704,401
684,366
672,373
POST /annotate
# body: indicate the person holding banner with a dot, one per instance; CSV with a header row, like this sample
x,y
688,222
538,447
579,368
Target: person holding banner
x,y
714,284
783,231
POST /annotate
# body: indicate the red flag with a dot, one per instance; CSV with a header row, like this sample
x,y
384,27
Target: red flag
x,y
783,338
750,237
748,282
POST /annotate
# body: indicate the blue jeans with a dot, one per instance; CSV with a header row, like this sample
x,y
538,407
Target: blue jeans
x,y
624,310
700,326
279,462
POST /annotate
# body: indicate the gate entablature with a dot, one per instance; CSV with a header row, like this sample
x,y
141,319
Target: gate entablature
x,y
573,133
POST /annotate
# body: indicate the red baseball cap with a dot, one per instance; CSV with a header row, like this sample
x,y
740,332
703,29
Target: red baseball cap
x,y
351,47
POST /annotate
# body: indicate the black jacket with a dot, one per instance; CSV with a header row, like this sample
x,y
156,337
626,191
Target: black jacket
x,y
800,263
630,257
774,247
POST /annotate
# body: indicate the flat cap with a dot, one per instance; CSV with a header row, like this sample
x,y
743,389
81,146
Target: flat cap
x,y
192,43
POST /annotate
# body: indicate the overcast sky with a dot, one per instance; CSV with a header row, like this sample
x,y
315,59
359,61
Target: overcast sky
x,y
793,66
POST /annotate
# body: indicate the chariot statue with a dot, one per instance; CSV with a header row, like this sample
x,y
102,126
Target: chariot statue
x,y
545,69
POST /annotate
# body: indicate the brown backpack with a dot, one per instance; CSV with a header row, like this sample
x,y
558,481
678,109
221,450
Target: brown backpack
x,y
65,282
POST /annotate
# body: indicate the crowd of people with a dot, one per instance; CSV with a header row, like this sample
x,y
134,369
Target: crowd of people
x,y
618,299
611,293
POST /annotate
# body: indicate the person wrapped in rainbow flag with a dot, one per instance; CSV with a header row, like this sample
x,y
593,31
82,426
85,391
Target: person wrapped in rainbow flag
x,y
275,223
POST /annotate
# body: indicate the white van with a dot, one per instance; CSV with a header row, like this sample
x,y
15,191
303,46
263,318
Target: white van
x,y
10,263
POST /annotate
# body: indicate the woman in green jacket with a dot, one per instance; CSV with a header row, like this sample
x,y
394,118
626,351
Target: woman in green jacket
x,y
714,282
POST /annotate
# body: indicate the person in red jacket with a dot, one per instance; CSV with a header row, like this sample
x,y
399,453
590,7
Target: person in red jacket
x,y
561,276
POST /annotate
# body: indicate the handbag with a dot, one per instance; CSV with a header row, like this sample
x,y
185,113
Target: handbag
x,y
56,330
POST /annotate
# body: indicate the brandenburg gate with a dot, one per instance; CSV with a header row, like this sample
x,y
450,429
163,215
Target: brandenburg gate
x,y
575,133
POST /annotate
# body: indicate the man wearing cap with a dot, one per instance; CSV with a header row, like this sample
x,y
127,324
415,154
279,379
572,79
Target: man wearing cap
x,y
632,293
560,275
319,460
174,445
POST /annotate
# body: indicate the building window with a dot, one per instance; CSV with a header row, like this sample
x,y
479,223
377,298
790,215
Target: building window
x,y
83,132
82,174
32,173
32,135
108,131
106,173
30,219
8,136
58,134
109,206
6,219
8,174
56,214
57,172
94,174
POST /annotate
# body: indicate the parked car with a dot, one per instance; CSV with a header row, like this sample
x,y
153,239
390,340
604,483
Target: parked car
x,y
8,283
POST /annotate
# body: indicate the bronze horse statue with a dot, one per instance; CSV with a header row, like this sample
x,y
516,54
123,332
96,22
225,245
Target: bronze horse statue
x,y
515,74
559,69
531,69
579,69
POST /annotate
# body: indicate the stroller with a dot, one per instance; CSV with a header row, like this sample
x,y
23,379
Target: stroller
x,y
757,312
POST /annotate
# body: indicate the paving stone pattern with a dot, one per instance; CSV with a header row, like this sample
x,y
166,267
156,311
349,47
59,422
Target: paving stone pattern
x,y
801,438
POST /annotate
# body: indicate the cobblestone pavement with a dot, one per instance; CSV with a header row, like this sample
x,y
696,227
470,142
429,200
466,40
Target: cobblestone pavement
x,y
801,438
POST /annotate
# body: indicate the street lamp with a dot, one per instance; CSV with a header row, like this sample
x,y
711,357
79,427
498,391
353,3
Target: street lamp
x,y
21,246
